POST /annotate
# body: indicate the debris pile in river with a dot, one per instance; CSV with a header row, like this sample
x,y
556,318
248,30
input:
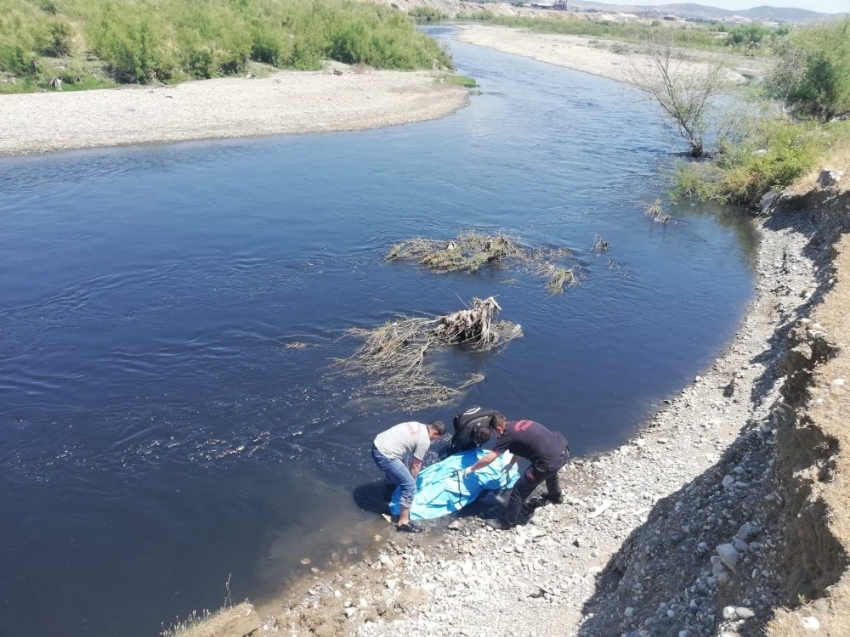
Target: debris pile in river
x,y
471,251
394,353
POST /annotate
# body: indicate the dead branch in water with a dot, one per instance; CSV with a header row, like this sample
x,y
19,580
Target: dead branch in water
x,y
393,354
599,245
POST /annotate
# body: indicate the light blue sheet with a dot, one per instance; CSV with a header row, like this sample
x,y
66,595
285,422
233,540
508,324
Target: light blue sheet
x,y
440,490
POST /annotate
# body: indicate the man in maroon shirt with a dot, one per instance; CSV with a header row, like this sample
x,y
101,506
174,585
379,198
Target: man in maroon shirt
x,y
547,450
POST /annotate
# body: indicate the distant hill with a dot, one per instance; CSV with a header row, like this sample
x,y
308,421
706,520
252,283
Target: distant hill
x,y
693,11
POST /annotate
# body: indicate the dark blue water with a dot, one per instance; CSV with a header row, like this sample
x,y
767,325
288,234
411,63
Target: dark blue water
x,y
157,434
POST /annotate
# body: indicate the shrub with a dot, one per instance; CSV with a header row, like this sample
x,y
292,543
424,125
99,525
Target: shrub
x,y
812,74
147,40
774,154
426,14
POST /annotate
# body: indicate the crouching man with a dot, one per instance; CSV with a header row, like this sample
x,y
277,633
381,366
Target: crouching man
x,y
547,450
472,429
389,451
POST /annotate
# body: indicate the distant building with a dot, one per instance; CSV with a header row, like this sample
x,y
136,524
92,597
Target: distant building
x,y
554,5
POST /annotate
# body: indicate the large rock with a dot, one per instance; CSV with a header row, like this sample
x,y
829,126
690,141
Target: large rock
x,y
829,178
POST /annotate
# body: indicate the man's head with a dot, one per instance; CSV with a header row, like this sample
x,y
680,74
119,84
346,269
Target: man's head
x,y
498,423
436,429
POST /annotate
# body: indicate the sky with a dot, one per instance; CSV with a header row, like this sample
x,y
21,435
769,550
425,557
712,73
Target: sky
x,y
824,6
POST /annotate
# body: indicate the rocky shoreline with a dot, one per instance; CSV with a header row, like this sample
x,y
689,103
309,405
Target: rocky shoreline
x,y
682,531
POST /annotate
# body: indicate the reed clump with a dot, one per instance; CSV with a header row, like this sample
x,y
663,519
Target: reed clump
x,y
655,212
558,278
393,355
471,251
468,252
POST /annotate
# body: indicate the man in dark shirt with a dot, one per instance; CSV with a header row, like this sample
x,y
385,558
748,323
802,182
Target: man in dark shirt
x,y
547,450
472,429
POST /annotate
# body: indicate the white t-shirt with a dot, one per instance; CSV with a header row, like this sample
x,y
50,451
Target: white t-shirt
x,y
398,441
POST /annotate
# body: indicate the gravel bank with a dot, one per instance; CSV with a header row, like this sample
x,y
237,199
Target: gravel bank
x,y
335,99
678,532
606,58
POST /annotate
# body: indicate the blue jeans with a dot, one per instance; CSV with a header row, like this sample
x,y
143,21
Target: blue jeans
x,y
396,473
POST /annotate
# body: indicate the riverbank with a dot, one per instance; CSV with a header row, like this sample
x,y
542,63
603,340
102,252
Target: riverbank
x,y
690,529
339,98
606,58
723,516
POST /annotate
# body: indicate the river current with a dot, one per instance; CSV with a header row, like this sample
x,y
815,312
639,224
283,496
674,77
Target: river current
x,y
160,436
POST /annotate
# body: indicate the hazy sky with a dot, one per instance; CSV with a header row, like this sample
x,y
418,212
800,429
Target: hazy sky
x,y
826,6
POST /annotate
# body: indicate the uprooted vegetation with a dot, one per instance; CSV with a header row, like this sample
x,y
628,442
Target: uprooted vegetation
x,y
471,251
393,354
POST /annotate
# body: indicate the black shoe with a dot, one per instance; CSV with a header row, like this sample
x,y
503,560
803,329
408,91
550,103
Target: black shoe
x,y
554,499
410,527
503,525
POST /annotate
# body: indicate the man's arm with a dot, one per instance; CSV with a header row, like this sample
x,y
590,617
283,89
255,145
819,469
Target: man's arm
x,y
415,466
483,462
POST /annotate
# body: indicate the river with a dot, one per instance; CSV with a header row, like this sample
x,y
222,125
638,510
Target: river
x,y
160,435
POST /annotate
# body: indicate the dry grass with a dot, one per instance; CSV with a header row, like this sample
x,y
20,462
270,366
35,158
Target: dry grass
x,y
559,278
471,251
229,620
655,212
468,253
838,158
393,354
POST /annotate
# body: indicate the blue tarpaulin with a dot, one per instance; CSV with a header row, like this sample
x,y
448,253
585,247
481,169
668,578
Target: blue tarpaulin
x,y
440,489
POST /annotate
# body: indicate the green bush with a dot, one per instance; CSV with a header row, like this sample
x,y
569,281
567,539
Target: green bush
x,y
812,74
164,40
426,14
748,36
774,154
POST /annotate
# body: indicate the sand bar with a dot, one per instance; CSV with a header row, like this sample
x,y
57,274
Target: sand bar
x,y
284,103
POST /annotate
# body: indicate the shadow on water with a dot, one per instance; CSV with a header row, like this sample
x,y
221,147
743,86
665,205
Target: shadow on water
x,y
371,497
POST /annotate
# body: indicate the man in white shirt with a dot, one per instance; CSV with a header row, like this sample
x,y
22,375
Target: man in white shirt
x,y
389,452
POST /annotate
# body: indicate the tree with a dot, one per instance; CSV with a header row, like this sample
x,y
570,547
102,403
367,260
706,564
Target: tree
x,y
684,90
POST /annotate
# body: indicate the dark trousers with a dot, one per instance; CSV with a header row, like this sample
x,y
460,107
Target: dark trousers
x,y
524,487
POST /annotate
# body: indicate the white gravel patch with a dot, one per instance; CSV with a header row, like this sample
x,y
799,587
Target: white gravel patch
x,y
284,103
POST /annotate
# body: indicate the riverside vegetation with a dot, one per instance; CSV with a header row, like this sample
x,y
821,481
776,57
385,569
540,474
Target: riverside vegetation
x,y
793,122
80,44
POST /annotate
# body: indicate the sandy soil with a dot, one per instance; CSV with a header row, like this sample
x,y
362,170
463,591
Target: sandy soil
x,y
284,103
605,58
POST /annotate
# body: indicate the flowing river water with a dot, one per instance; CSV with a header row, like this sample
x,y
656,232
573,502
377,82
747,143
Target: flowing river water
x,y
160,436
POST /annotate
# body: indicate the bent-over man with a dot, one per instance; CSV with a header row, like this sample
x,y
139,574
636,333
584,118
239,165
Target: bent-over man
x,y
389,451
547,450
472,429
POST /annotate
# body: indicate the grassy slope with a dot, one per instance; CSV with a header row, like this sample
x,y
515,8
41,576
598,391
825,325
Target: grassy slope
x,y
87,43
